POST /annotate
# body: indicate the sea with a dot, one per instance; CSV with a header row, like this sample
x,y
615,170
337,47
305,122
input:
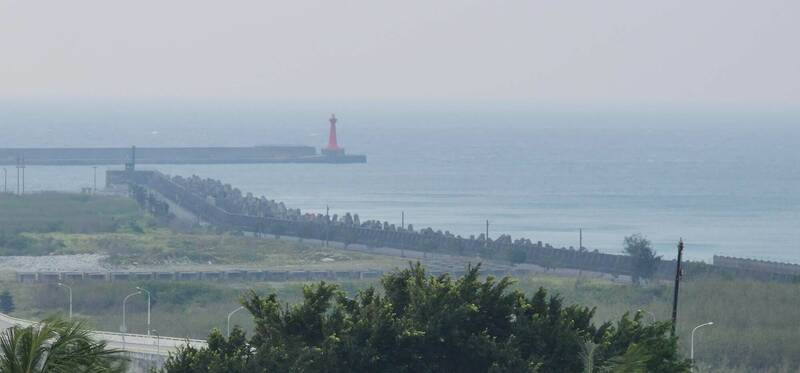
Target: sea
x,y
724,179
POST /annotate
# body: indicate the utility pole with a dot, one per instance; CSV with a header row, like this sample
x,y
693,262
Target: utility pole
x,y
17,175
678,275
327,223
580,238
486,242
23,175
131,166
402,233
5,180
94,191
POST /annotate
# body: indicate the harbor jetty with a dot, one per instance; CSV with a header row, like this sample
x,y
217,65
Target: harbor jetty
x,y
333,153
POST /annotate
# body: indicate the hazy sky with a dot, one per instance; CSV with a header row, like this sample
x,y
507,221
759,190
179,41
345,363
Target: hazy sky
x,y
677,51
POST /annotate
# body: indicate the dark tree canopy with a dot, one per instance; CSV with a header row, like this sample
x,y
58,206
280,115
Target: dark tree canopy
x,y
645,260
421,323
6,302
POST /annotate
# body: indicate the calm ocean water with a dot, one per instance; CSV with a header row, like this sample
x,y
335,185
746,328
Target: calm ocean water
x,y
728,183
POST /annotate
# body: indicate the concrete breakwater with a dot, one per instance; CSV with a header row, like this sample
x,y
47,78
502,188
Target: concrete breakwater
x,y
173,155
351,231
423,240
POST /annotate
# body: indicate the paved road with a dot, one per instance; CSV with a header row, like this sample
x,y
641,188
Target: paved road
x,y
143,344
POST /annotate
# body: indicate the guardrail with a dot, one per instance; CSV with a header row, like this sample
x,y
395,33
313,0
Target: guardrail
x,y
204,275
131,338
15,321
140,343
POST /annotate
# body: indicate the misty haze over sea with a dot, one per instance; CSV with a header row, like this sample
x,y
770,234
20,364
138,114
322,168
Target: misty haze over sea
x,y
727,182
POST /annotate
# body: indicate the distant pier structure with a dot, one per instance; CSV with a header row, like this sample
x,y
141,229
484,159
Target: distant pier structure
x,y
182,155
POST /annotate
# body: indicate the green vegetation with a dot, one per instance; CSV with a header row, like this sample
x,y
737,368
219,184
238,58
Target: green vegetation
x,y
22,216
754,321
180,309
6,302
421,323
60,223
755,328
56,346
645,258
62,212
162,246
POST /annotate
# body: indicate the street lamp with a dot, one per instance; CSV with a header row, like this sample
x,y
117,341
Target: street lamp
x,y
69,289
148,307
691,354
229,319
158,341
124,328
652,315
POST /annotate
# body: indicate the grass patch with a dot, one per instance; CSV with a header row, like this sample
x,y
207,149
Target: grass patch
x,y
64,212
755,323
164,247
21,217
178,309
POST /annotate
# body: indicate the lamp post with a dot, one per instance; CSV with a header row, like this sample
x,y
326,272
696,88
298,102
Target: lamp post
x,y
691,354
69,289
652,315
124,328
327,223
148,307
229,319
18,163
158,341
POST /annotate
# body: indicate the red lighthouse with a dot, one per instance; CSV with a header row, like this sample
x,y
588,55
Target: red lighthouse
x,y
333,148
332,144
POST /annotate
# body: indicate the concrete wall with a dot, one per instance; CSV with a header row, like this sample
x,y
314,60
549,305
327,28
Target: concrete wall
x,y
757,265
212,276
96,156
144,363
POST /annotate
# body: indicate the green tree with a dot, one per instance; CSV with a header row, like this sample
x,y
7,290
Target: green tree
x,y
645,260
518,255
631,347
6,302
222,356
56,345
422,323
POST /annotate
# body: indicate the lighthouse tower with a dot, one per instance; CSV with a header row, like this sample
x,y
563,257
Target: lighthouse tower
x,y
333,149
